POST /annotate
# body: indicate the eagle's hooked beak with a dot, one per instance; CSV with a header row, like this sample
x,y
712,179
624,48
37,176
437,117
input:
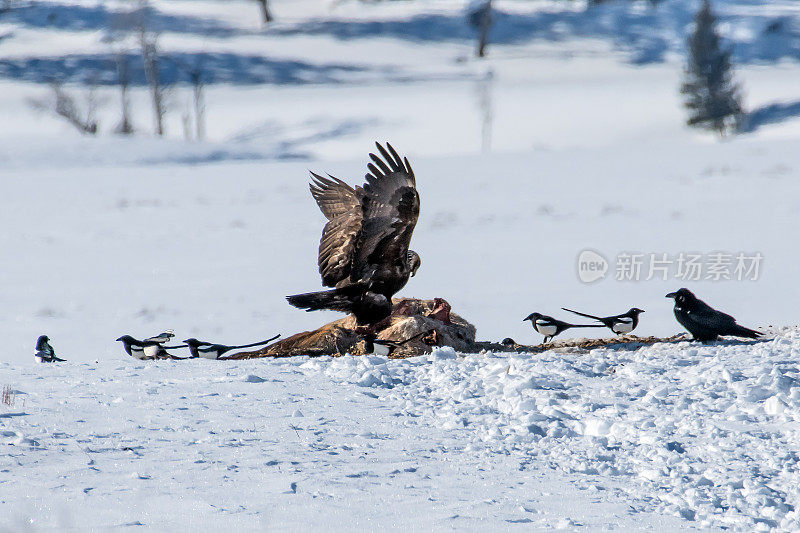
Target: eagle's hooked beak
x,y
415,261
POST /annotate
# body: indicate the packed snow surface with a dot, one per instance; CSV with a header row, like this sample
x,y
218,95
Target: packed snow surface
x,y
659,437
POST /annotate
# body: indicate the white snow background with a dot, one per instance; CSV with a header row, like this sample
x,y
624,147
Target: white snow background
x,y
569,136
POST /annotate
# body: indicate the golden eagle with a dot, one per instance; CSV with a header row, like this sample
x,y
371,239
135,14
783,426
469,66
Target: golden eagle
x,y
364,251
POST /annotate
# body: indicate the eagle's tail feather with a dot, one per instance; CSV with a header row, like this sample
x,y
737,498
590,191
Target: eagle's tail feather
x,y
334,299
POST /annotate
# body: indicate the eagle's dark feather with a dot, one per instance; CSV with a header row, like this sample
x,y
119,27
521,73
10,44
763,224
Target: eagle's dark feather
x,y
391,208
364,249
341,205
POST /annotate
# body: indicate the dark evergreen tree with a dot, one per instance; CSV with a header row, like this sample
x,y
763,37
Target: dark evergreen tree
x,y
712,96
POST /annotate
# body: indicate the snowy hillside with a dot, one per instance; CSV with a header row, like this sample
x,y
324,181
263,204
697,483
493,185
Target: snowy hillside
x,y
568,137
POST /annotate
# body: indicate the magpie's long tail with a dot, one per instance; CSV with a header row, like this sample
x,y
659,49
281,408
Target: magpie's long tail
x,y
582,314
741,331
585,326
256,343
335,299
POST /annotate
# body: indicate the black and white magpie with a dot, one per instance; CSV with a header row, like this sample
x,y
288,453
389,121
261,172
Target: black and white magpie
x,y
208,350
550,327
703,321
619,324
377,346
147,349
162,338
45,352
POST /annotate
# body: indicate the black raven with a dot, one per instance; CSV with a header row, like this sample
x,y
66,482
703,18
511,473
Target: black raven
x,y
703,321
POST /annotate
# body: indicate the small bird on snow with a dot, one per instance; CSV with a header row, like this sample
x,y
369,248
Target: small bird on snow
x,y
703,321
161,338
550,327
376,346
208,350
45,352
619,324
147,349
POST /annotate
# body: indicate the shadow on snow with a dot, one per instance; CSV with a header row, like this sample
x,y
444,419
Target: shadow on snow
x,y
646,33
771,114
101,69
66,17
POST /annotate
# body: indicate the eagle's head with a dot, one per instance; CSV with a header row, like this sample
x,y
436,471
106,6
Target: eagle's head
x,y
414,262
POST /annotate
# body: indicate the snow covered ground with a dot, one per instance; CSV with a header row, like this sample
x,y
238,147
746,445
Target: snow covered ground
x,y
569,137
661,438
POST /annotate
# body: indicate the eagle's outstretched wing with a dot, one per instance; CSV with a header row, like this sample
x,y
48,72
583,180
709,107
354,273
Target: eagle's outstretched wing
x,y
341,205
390,205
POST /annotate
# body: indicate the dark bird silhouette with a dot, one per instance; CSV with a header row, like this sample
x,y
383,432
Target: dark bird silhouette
x,y
703,321
45,352
550,327
619,324
208,350
148,349
364,251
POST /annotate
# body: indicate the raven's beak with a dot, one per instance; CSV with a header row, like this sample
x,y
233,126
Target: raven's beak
x,y
671,295
119,339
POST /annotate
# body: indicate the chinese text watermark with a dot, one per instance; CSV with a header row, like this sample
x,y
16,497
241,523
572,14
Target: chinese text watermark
x,y
685,266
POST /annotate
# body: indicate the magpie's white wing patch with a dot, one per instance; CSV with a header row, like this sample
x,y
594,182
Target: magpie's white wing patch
x,y
623,326
545,327
151,351
380,349
209,354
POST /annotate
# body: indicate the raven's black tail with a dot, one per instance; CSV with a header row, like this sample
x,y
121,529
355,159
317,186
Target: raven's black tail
x,y
581,314
335,299
741,331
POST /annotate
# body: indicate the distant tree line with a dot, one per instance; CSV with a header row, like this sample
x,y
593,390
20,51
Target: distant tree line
x,y
126,28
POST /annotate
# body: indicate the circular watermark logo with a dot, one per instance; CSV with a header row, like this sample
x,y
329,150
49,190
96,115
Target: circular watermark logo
x,y
591,266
